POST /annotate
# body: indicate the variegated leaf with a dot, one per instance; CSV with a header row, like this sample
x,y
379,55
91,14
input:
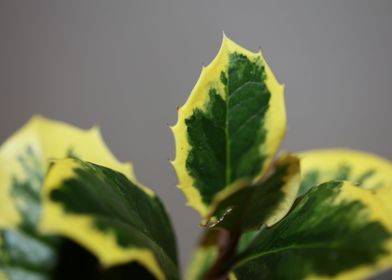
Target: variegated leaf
x,y
336,230
363,169
108,214
26,253
25,156
230,127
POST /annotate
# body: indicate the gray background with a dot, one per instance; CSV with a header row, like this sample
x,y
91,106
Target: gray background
x,y
126,65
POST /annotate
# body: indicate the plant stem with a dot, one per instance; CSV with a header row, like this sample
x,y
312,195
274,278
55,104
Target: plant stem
x,y
227,246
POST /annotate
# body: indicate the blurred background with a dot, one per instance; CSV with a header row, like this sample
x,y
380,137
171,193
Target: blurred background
x,y
126,65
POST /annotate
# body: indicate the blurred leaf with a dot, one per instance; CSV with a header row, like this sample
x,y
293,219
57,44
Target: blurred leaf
x,y
25,252
363,169
109,215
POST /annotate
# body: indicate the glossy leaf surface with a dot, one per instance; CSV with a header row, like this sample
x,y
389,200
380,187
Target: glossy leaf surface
x,y
109,215
230,127
327,234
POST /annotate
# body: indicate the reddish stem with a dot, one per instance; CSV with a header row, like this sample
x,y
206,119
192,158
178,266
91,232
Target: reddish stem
x,y
227,246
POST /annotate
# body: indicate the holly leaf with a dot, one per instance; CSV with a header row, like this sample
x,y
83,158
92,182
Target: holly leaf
x,y
25,251
363,169
230,127
335,230
109,215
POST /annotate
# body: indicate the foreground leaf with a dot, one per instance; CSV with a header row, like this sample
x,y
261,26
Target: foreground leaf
x,y
363,169
230,127
249,207
25,253
110,216
336,230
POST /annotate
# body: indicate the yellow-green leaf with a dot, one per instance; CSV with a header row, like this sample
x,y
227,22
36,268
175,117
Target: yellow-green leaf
x,y
24,159
336,230
25,156
384,196
363,169
230,127
110,215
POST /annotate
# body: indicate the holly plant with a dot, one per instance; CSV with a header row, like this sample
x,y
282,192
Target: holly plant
x,y
70,210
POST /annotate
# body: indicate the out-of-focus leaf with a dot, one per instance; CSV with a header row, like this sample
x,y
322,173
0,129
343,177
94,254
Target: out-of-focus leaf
x,y
109,215
26,253
363,169
24,159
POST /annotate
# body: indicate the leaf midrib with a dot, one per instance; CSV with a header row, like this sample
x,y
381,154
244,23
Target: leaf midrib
x,y
317,245
228,142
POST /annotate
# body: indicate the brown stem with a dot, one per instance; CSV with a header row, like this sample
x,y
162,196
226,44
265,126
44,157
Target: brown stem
x,y
227,246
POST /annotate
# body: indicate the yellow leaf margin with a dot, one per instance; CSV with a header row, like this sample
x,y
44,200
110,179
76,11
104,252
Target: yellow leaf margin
x,y
327,162
50,139
210,75
81,229
377,213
